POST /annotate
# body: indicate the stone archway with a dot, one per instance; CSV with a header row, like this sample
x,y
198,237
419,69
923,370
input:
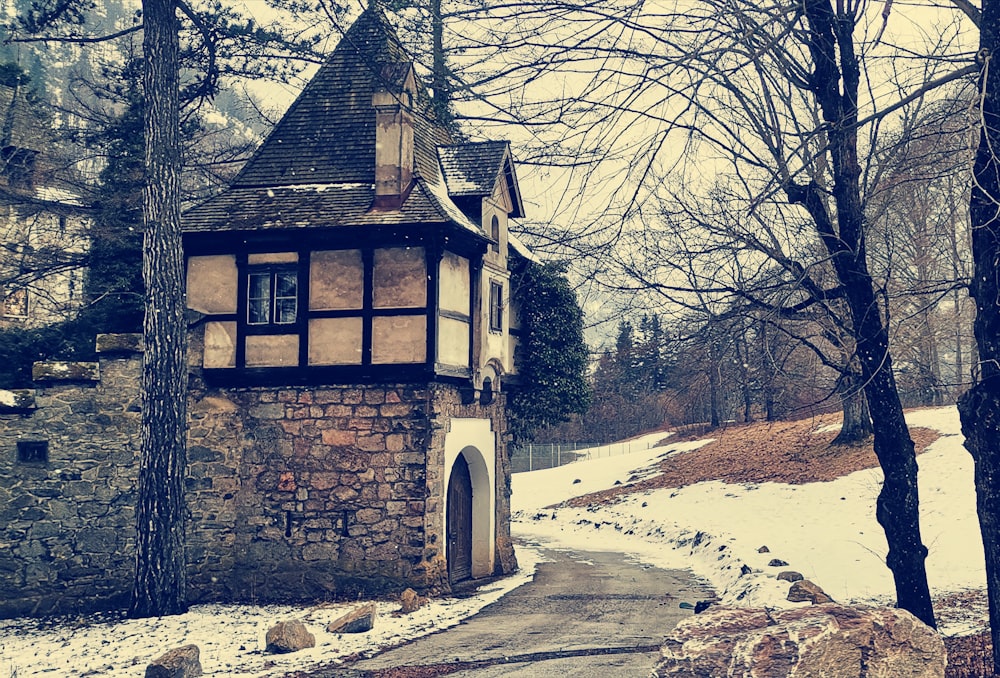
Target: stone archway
x,y
470,453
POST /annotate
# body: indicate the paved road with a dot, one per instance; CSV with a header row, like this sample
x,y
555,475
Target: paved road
x,y
585,614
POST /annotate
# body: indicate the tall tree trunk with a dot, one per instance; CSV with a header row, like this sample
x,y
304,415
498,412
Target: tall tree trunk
x,y
979,408
857,424
959,344
714,383
440,82
160,582
834,82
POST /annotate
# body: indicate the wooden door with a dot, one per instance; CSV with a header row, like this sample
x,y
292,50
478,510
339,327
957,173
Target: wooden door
x,y
459,522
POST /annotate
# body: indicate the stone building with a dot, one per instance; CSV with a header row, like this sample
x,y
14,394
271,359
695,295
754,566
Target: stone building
x,y
44,222
351,339
352,289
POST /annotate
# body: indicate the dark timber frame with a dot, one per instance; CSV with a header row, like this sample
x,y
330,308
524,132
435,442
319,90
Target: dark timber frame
x,y
434,238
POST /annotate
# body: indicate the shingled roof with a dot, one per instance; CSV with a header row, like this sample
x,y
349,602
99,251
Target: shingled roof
x,y
471,170
317,167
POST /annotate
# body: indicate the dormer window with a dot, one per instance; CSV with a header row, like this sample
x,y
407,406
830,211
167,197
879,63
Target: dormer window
x,y
272,297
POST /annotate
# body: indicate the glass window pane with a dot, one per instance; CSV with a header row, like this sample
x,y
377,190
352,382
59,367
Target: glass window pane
x,y
259,299
260,285
257,312
285,285
284,311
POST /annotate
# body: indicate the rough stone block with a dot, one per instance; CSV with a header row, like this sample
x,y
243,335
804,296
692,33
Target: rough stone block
x,y
358,620
288,636
368,516
821,640
396,410
268,411
17,400
58,370
806,591
371,443
119,343
410,602
339,438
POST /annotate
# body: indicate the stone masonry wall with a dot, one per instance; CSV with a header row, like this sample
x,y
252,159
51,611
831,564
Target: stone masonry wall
x,y
67,524
293,494
328,494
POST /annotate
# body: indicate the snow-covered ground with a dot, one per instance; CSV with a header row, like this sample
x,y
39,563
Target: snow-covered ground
x,y
230,637
826,531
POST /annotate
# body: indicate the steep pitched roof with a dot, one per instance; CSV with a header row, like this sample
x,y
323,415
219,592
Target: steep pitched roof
x,y
471,170
328,133
19,125
317,167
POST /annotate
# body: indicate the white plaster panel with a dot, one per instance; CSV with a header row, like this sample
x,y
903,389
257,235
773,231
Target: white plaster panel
x,y
400,278
453,342
454,284
272,350
211,284
220,345
336,280
399,339
273,258
335,341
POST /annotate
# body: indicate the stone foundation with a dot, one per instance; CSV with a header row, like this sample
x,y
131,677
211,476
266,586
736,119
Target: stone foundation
x,y
294,493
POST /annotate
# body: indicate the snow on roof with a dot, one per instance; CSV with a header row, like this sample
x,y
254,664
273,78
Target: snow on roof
x,y
472,169
438,192
522,249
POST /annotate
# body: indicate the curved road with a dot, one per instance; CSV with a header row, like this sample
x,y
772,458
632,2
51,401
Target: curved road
x,y
585,614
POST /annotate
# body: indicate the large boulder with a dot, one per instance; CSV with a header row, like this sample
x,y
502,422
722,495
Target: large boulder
x,y
819,641
181,662
358,620
288,636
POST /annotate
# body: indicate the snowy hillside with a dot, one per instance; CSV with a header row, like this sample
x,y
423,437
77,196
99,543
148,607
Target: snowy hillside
x,y
826,531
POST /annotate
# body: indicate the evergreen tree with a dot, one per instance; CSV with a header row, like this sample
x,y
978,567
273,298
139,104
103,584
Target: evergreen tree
x,y
553,356
114,284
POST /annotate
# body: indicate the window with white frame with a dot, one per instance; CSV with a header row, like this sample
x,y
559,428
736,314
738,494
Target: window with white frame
x,y
272,297
496,306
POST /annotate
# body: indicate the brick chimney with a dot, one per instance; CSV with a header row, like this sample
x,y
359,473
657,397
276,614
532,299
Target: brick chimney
x,y
393,101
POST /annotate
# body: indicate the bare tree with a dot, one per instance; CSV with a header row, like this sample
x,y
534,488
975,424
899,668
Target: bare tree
x,y
779,96
980,406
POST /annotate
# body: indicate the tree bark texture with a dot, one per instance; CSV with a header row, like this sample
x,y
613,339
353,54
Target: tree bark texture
x,y
714,384
979,408
857,425
160,581
834,82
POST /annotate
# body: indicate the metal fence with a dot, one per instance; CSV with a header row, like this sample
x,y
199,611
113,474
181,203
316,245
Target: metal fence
x,y
535,456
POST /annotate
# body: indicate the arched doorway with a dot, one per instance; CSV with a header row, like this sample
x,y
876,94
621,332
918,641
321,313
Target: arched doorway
x,y
459,521
470,462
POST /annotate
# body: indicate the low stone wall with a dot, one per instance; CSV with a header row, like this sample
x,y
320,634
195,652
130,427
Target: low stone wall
x,y
68,471
293,494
